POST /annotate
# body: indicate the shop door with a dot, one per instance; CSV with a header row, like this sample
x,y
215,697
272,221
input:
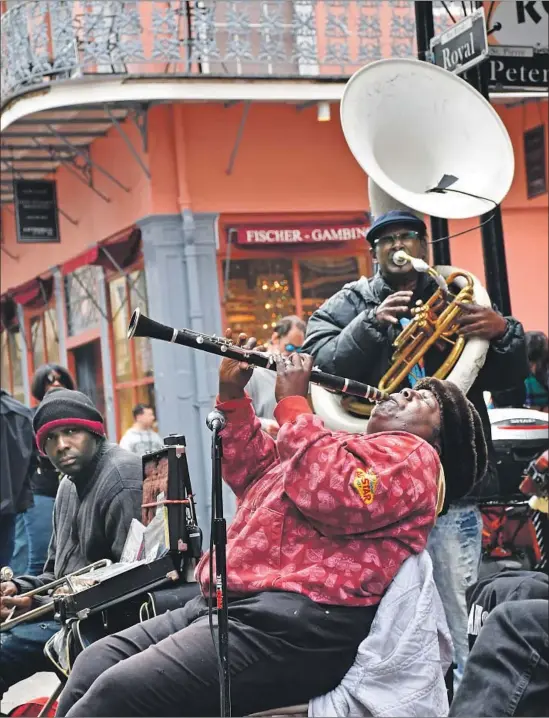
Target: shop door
x,y
89,372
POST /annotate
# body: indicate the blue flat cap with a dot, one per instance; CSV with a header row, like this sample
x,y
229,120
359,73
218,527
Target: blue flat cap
x,y
395,216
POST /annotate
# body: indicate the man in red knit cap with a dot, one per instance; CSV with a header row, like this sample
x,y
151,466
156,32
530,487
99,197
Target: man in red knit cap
x,y
99,495
324,522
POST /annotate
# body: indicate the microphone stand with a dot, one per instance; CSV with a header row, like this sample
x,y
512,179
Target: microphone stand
x,y
216,421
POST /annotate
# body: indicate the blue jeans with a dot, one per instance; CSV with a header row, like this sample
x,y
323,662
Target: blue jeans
x,y
32,537
455,546
22,651
7,538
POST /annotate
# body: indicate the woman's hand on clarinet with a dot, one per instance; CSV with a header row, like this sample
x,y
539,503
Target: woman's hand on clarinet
x,y
293,375
234,375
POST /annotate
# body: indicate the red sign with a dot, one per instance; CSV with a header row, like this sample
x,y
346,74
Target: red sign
x,y
300,234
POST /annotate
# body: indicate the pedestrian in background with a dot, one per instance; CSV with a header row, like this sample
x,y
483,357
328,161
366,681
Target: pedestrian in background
x,y
16,456
33,528
288,337
141,437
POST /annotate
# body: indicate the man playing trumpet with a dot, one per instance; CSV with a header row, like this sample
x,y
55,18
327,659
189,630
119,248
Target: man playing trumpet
x,y
98,497
352,335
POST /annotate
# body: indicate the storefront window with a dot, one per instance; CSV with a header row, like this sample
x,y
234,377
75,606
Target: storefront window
x,y
12,375
125,406
44,338
258,293
37,341
133,365
81,292
120,320
143,349
52,335
321,278
5,377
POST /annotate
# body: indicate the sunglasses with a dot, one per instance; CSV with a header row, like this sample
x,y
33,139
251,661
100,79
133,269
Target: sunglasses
x,y
408,236
291,348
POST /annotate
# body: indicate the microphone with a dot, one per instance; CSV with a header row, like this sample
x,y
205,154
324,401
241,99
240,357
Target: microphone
x,y
400,258
216,420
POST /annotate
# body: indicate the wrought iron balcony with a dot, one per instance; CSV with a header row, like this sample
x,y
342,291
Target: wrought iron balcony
x,y
48,41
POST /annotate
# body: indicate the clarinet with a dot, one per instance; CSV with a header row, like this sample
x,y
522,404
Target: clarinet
x,y
143,326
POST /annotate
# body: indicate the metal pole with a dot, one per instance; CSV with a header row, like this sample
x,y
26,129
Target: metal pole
x,y
425,30
493,245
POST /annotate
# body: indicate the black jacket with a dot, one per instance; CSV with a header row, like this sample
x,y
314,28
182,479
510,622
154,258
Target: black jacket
x,y
346,339
16,455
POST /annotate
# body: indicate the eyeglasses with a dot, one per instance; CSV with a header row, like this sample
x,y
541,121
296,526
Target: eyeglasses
x,y
292,348
405,237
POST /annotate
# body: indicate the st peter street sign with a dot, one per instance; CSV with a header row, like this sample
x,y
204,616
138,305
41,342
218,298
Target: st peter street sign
x,y
463,46
519,38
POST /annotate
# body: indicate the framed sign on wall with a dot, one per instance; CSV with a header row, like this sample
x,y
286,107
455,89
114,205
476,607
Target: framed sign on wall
x,y
36,214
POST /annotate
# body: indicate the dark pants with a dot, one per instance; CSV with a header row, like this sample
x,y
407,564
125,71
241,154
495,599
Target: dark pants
x,y
22,651
7,538
508,667
283,649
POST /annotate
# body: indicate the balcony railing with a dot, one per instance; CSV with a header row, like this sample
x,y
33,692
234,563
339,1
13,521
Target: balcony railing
x,y
45,41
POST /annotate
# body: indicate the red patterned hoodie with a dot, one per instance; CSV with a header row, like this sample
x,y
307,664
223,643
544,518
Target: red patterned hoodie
x,y
327,514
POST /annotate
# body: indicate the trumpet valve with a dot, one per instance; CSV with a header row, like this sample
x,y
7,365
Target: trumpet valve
x,y
6,573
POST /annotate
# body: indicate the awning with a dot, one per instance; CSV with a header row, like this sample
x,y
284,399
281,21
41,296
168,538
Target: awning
x,y
8,313
112,254
33,294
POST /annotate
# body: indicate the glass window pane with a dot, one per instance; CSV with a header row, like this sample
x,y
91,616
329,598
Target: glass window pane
x,y
259,293
17,372
120,321
143,350
323,277
5,376
52,336
125,406
37,341
80,287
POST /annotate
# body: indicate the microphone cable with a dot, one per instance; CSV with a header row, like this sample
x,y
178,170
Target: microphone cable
x,y
441,190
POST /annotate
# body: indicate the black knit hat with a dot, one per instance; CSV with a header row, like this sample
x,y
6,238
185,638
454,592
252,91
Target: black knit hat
x,y
464,455
66,408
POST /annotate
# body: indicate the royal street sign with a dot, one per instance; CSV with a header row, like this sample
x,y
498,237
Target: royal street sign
x,y
463,46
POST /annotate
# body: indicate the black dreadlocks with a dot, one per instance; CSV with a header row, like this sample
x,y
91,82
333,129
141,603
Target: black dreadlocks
x,y
464,455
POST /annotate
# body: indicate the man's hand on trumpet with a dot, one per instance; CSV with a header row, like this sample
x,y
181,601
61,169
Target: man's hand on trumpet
x,y
482,322
11,603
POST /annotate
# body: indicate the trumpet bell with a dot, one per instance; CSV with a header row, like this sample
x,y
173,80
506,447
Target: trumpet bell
x,y
409,124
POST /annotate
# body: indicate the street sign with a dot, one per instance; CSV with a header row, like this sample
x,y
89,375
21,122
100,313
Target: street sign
x,y
518,44
36,211
463,46
518,68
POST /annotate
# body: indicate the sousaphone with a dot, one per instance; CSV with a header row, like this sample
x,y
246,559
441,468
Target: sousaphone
x,y
431,144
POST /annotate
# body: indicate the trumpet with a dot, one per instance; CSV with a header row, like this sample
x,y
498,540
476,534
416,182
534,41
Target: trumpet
x,y
432,321
48,589
142,326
